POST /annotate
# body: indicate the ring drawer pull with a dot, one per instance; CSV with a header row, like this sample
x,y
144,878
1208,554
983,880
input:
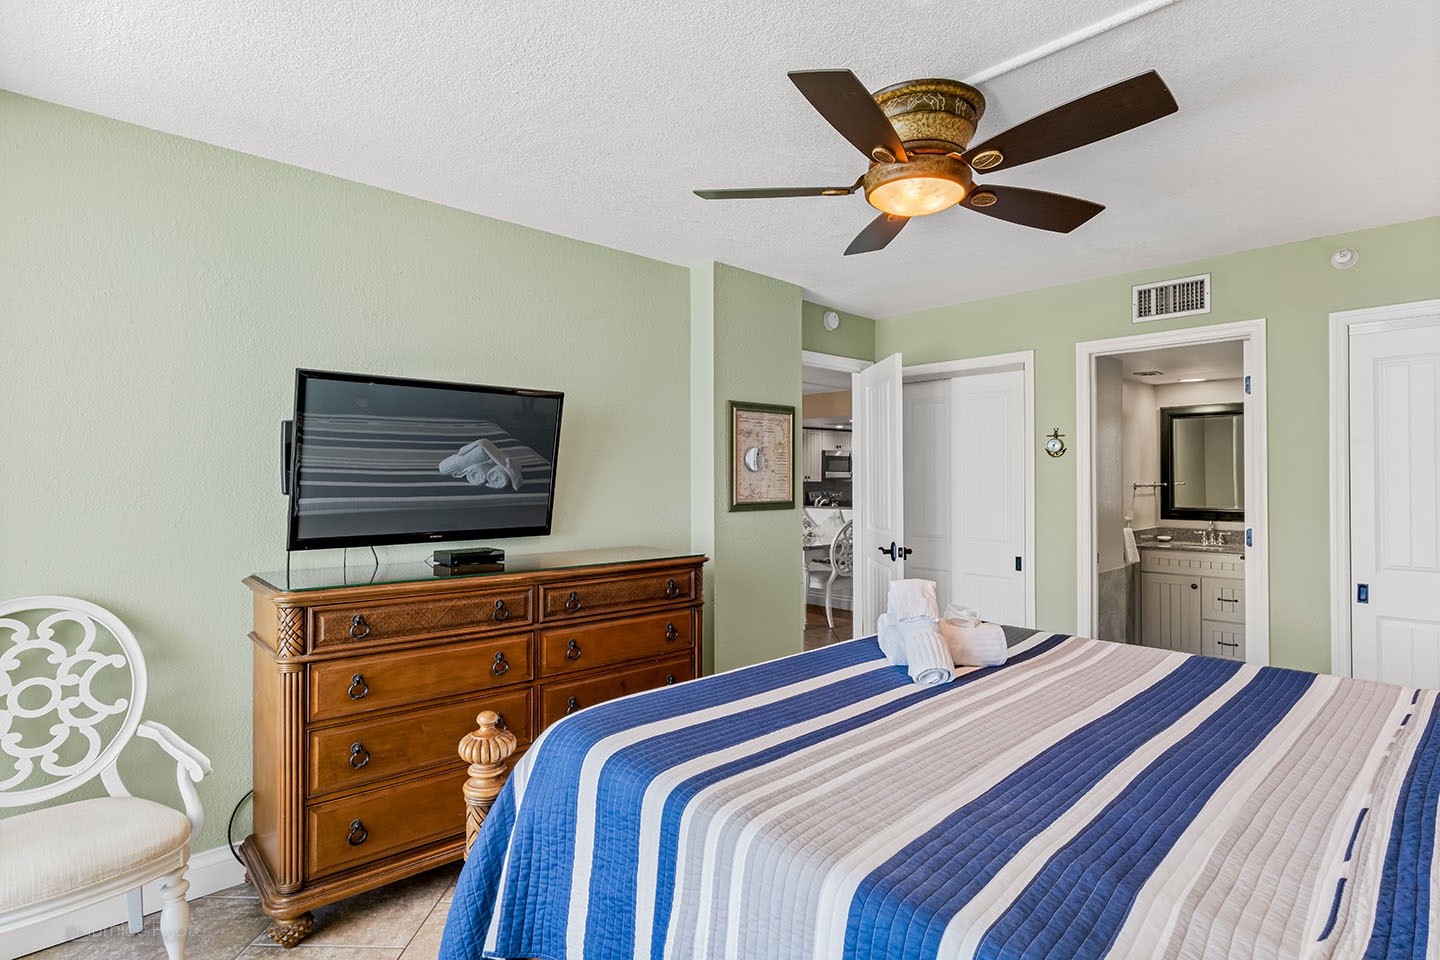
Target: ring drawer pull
x,y
359,629
671,591
359,756
501,666
573,602
669,679
358,834
571,705
501,613
358,687
572,650
671,634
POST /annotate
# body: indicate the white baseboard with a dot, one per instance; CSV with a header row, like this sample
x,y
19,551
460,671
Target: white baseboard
x,y
210,871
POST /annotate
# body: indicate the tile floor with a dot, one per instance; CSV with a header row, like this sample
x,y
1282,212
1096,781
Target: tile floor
x,y
818,633
402,921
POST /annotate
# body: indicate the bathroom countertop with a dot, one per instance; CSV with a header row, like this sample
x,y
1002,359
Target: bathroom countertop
x,y
1189,540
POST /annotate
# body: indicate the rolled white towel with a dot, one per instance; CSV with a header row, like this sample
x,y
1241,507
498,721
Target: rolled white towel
x,y
888,636
926,655
962,616
978,646
912,600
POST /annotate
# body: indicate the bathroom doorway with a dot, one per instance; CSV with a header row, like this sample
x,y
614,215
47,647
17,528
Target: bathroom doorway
x,y
1170,464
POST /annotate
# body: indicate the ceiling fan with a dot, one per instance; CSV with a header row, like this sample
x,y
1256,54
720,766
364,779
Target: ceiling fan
x,y
917,135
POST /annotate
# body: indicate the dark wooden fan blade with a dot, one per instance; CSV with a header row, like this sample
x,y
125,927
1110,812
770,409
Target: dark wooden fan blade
x,y
1095,116
765,193
843,100
1031,208
877,234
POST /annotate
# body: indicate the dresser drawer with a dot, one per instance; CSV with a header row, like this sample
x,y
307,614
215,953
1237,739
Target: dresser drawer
x,y
1223,599
372,623
382,681
358,829
568,649
566,696
582,598
357,754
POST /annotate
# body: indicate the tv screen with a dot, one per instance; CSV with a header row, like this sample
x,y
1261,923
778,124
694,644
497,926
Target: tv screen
x,y
385,460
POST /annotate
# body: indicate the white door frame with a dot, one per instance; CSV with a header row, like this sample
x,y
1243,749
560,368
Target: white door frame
x,y
1257,552
1024,361
1342,324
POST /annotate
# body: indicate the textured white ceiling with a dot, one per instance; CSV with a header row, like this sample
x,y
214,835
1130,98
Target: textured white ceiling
x,y
1297,118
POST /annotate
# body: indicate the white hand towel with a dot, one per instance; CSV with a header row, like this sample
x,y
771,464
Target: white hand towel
x,y
926,654
977,646
1132,552
912,600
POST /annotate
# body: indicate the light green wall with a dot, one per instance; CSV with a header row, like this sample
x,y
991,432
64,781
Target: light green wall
x,y
156,295
854,337
1295,289
756,602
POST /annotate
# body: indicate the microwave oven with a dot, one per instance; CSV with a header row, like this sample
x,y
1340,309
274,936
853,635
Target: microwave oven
x,y
835,465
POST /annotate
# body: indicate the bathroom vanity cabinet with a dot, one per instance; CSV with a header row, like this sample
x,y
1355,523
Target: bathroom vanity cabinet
x,y
1193,602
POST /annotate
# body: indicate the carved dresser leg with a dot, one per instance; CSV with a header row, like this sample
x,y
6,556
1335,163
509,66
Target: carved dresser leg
x,y
486,749
287,933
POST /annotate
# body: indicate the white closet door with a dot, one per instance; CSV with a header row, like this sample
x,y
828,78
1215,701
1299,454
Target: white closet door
x,y
987,472
1395,504
878,468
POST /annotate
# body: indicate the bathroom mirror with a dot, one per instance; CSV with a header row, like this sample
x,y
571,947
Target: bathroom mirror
x,y
1202,462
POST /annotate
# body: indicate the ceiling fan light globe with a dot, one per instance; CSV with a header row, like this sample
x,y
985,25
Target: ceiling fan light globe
x,y
927,184
916,196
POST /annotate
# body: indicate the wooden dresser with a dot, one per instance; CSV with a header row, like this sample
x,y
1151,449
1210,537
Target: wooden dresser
x,y
363,689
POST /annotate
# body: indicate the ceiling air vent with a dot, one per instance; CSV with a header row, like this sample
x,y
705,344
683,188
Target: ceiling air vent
x,y
1170,298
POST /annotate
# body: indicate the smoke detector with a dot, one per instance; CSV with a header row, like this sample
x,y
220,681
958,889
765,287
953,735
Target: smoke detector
x,y
1344,258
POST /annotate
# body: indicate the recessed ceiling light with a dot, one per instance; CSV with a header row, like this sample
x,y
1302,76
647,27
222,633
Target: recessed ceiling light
x,y
1191,380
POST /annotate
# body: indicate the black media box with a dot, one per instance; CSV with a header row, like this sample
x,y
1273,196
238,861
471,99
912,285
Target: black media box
x,y
470,557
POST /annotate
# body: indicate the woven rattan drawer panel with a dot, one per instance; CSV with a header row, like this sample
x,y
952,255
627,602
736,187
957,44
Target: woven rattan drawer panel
x,y
585,598
384,681
380,622
581,646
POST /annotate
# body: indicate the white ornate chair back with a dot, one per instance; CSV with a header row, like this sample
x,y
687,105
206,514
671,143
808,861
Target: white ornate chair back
x,y
72,690
842,550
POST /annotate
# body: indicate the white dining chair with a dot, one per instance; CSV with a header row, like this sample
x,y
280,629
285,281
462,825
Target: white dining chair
x,y
839,562
72,689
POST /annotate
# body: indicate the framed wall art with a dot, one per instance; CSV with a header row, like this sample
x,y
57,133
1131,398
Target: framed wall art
x,y
762,456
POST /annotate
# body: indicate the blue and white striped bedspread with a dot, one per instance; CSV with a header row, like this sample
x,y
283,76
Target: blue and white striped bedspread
x,y
1087,799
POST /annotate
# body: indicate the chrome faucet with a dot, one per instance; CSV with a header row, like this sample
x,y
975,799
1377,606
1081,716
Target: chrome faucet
x,y
1209,537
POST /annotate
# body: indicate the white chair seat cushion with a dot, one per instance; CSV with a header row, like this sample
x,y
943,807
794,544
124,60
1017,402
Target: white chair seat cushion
x,y
52,851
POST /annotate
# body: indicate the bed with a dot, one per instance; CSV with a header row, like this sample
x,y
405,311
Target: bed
x,y
1086,799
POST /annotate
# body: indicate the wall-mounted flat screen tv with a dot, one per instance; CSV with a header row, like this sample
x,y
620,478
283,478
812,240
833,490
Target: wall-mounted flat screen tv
x,y
379,460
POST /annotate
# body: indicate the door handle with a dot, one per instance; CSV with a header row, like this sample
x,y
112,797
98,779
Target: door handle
x,y
895,552
1362,593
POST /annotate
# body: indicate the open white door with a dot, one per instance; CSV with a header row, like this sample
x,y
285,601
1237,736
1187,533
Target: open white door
x,y
878,467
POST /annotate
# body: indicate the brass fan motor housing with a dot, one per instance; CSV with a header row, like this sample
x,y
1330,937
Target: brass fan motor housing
x,y
934,115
